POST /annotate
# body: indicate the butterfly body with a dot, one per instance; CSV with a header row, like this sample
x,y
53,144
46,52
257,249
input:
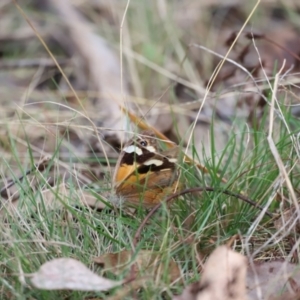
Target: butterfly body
x,y
144,175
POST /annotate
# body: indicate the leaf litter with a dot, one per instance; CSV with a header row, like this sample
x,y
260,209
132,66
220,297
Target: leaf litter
x,y
148,263
40,117
225,276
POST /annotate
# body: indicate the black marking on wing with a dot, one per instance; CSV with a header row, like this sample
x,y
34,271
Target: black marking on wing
x,y
154,168
147,138
130,158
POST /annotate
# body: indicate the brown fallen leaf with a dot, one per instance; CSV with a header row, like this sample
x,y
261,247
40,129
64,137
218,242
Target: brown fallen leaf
x,y
223,278
286,296
273,279
70,274
148,262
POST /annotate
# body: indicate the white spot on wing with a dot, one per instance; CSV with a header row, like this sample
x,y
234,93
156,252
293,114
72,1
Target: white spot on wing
x,y
155,162
133,149
150,149
172,160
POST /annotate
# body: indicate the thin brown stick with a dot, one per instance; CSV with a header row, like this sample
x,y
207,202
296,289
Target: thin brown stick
x,y
31,63
194,190
250,35
40,166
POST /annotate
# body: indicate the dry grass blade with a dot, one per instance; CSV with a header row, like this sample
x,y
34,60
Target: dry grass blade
x,y
83,68
218,68
102,63
272,146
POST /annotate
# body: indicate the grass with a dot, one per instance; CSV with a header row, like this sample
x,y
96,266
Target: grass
x,y
37,232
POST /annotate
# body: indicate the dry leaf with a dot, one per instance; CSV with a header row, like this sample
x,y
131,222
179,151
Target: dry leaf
x,y
70,274
146,261
224,274
272,279
223,278
286,296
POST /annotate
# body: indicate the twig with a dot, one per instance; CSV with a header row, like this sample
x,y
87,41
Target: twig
x,y
194,190
31,63
250,35
40,166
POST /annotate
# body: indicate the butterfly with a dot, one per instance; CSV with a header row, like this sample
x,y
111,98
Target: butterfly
x,y
144,174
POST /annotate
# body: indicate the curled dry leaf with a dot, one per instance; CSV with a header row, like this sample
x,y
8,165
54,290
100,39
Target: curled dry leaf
x,y
224,274
69,274
147,262
223,278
